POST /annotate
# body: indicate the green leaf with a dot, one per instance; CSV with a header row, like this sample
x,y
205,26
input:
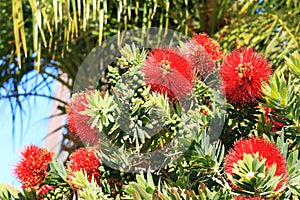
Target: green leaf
x,y
141,191
293,62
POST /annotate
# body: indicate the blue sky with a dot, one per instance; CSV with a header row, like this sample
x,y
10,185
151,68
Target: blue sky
x,y
30,126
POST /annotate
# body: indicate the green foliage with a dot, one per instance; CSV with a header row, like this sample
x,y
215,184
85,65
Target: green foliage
x,y
293,62
91,21
213,153
57,173
240,122
88,189
100,109
132,56
61,192
199,167
294,175
57,177
7,192
293,164
202,91
282,95
146,189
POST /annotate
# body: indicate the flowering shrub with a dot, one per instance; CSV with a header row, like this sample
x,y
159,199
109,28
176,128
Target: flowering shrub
x,y
158,117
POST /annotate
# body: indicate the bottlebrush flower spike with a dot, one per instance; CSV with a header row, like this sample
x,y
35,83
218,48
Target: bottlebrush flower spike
x,y
167,72
78,122
265,150
198,58
242,73
85,160
211,47
32,169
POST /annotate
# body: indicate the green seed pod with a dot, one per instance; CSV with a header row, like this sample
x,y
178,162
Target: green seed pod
x,y
179,125
135,78
140,90
168,122
134,86
175,116
141,82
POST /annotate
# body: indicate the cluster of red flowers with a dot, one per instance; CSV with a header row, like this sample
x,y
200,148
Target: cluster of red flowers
x,y
85,160
32,169
265,149
78,122
173,72
243,72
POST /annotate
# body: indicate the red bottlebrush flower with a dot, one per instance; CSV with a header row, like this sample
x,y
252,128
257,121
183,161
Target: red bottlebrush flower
x,y
247,198
78,123
44,190
265,149
85,160
211,47
268,113
242,73
167,72
32,169
198,58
